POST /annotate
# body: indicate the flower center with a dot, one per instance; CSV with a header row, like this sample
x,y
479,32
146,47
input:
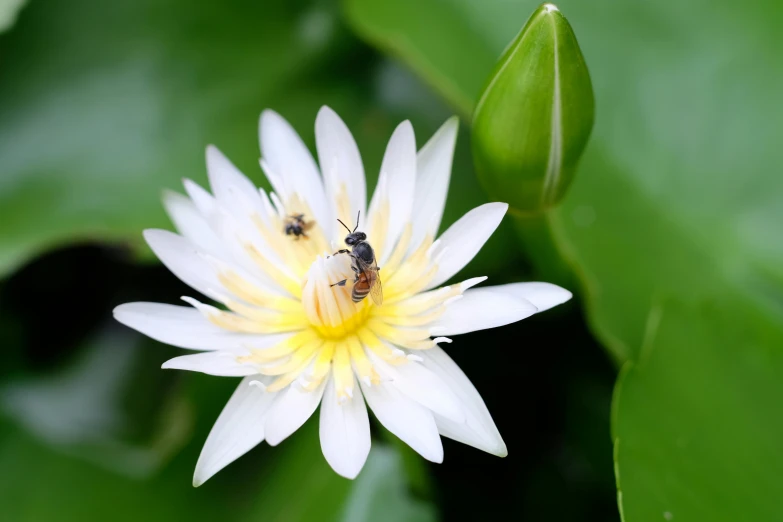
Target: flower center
x,y
328,306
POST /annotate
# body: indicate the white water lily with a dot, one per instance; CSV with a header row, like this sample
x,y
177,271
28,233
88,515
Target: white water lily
x,y
297,340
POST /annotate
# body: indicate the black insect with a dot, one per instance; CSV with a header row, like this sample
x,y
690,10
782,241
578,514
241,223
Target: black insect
x,y
295,225
364,265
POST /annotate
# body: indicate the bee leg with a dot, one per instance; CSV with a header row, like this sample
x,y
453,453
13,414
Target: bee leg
x,y
343,251
340,283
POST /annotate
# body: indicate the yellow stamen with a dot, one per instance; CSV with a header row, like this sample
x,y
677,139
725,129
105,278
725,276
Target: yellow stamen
x,y
378,347
392,264
287,281
281,349
323,364
341,369
416,271
379,225
284,380
295,320
237,323
254,295
363,365
301,355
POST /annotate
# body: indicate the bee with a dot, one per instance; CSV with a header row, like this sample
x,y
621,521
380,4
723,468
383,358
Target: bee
x,y
297,226
364,265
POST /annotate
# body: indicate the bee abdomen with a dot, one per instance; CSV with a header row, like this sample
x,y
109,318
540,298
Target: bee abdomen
x,y
359,292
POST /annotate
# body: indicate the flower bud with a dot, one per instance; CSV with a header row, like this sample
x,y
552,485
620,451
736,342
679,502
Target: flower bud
x,y
534,116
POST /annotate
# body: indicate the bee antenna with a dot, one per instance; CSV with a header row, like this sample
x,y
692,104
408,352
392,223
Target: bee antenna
x,y
357,221
346,227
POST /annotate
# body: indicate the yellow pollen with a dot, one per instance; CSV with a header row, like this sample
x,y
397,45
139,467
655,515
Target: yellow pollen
x,y
330,309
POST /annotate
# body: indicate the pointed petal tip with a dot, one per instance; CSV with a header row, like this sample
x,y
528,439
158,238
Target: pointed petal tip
x,y
266,114
119,309
152,234
547,295
199,478
168,194
267,121
325,111
272,438
449,130
349,473
499,449
406,125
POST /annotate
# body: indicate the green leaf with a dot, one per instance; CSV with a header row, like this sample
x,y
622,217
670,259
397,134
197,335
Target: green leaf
x,y
381,493
697,424
85,408
533,118
678,191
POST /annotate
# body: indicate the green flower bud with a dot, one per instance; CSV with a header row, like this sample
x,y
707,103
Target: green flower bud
x,y
534,117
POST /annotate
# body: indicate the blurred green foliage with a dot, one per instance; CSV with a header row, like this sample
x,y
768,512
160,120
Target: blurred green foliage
x,y
697,423
299,485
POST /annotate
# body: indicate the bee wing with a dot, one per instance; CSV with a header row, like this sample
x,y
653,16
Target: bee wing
x,y
308,225
376,289
373,275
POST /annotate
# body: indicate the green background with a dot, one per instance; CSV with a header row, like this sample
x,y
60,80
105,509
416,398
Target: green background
x,y
669,237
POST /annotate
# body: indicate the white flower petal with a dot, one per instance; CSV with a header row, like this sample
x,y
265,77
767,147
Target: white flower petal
x,y
185,261
198,268
291,409
396,184
204,201
479,429
543,295
238,232
407,419
341,164
462,241
186,327
433,172
190,223
423,386
239,202
233,190
292,166
482,308
220,363
238,429
344,431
